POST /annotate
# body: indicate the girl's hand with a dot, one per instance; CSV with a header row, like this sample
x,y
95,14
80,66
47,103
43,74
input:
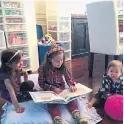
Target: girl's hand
x,y
90,105
20,109
73,88
58,90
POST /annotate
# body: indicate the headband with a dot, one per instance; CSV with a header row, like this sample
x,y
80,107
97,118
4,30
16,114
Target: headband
x,y
55,49
13,56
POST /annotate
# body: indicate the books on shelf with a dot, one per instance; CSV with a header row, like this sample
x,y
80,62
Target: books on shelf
x,y
63,98
13,23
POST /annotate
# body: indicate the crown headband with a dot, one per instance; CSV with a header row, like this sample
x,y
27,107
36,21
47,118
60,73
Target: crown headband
x,y
55,49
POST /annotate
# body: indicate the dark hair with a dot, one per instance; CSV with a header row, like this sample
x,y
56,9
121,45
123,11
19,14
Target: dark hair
x,y
48,65
7,57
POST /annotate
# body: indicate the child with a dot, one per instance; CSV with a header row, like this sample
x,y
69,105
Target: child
x,y
51,79
112,84
10,79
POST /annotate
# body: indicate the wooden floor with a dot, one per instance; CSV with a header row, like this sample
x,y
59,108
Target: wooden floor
x,y
79,69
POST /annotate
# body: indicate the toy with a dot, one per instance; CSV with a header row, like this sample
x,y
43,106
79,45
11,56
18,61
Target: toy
x,y
49,38
43,40
114,107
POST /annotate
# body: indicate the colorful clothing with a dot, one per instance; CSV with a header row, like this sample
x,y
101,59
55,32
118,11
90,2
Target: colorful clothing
x,y
55,79
16,83
109,88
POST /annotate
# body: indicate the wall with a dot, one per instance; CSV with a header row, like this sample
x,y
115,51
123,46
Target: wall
x,y
75,7
40,13
31,33
78,6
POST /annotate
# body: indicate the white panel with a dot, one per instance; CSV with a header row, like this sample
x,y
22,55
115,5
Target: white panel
x,y
103,27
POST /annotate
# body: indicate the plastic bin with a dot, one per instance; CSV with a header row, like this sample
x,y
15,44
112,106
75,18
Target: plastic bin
x,y
42,50
15,20
39,31
64,26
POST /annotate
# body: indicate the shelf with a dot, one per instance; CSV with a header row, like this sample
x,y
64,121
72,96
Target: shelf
x,y
66,51
59,20
20,45
52,31
12,0
12,8
25,58
2,48
120,14
121,34
59,31
64,31
15,23
15,16
67,59
63,41
120,19
19,31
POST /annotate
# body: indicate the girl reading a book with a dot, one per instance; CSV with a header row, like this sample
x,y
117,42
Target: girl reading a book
x,y
11,87
51,78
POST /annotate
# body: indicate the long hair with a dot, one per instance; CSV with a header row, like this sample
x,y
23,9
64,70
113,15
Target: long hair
x,y
9,57
48,65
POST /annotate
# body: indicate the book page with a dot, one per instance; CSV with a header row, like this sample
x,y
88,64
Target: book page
x,y
63,98
81,90
90,114
45,96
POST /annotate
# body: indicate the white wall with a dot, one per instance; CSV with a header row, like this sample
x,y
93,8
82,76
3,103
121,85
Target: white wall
x,y
74,6
31,33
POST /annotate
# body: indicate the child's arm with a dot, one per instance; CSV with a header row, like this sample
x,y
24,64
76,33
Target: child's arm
x,y
13,96
69,79
92,102
42,82
25,74
104,91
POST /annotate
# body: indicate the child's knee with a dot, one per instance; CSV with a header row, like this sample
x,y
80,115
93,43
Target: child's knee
x,y
27,86
30,84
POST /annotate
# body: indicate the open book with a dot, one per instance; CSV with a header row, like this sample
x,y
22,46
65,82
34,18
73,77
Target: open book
x,y
63,98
